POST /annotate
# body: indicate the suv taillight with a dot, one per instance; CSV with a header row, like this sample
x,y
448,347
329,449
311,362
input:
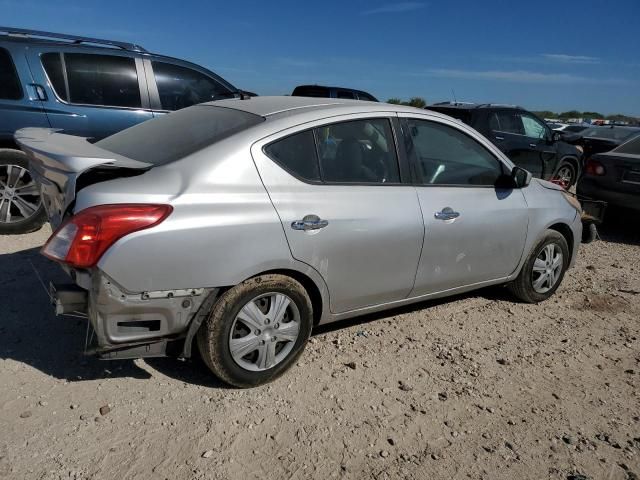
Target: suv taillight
x,y
82,239
593,167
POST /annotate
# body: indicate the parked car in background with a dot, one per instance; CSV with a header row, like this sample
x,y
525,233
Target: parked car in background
x,y
83,86
602,139
569,128
614,176
523,137
288,212
332,92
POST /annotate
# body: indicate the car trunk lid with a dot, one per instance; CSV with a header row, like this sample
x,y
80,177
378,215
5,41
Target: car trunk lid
x,y
57,161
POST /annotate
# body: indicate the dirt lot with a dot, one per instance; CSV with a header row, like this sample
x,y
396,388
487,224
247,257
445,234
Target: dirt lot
x,y
473,387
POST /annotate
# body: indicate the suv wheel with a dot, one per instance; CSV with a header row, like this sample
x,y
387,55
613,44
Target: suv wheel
x,y
256,330
21,209
544,269
565,176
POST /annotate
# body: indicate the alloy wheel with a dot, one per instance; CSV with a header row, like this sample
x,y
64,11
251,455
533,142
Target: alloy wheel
x,y
547,268
264,331
19,196
564,177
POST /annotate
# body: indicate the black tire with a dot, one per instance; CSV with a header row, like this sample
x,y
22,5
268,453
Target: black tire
x,y
522,286
213,337
11,157
569,172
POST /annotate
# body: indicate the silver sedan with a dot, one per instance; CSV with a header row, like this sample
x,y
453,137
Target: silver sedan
x,y
241,224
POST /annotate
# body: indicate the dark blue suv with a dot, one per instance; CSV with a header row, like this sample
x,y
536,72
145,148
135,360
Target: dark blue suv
x,y
87,87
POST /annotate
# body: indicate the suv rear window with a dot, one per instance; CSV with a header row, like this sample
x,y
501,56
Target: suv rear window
x,y
178,134
311,91
10,88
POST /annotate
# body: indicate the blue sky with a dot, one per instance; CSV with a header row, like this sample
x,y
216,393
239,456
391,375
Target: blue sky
x,y
582,54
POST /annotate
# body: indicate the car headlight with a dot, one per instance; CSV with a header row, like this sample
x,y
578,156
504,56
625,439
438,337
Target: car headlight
x,y
573,201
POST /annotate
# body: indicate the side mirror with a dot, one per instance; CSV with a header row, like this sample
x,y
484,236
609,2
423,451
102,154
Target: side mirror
x,y
555,137
521,177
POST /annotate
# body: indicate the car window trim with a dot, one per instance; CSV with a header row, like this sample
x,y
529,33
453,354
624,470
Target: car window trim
x,y
66,81
321,182
412,158
17,77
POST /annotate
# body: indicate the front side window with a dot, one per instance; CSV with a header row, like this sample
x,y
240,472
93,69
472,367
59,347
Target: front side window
x,y
107,80
180,87
533,128
447,156
359,151
10,88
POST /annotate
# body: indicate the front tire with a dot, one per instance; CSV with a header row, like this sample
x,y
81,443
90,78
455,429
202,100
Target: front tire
x,y
566,175
543,270
256,330
21,209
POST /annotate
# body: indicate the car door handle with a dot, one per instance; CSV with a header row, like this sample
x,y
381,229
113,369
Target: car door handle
x,y
447,213
39,92
309,222
499,138
533,145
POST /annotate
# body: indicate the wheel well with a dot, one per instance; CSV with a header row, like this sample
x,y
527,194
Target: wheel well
x,y
6,143
309,285
573,161
564,230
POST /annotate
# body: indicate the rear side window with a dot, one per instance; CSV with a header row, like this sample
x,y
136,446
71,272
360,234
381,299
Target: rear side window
x,y
632,147
446,156
345,94
311,91
359,151
178,134
366,97
52,63
10,88
297,154
180,87
107,80
508,122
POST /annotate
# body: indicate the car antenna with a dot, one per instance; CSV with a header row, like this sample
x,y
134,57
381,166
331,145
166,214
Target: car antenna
x,y
453,93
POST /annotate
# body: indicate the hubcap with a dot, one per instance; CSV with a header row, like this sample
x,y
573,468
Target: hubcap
x,y
564,177
264,331
547,268
19,196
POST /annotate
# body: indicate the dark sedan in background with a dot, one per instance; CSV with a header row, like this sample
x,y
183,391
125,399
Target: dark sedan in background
x,y
614,176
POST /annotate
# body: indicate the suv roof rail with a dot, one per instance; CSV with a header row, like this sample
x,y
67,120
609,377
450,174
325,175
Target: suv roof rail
x,y
22,32
453,104
503,105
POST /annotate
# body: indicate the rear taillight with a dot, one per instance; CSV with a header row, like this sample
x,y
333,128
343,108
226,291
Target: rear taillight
x,y
83,238
593,167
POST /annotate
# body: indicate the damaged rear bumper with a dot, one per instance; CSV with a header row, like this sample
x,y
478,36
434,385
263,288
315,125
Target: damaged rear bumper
x,y
132,324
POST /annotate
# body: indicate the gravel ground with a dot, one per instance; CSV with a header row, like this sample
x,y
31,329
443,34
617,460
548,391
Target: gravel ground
x,y
476,386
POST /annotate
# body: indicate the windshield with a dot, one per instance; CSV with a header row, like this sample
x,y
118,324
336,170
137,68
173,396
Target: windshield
x,y
178,134
612,133
631,147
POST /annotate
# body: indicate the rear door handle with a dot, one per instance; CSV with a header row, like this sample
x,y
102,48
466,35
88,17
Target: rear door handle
x,y
39,92
309,222
499,138
447,213
533,145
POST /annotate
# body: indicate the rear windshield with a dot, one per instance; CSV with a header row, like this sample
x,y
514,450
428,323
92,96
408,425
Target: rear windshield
x,y
631,147
178,134
312,91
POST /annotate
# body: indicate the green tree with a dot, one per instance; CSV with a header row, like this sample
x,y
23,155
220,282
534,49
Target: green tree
x,y
417,102
592,115
546,114
570,114
395,101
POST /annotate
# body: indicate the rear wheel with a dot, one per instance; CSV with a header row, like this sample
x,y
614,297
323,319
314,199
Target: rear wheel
x,y
21,209
256,330
565,176
544,269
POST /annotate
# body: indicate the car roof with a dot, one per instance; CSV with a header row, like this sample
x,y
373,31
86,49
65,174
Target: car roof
x,y
289,105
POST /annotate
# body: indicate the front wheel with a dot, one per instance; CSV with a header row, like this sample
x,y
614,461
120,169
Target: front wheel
x,y
21,209
256,330
544,269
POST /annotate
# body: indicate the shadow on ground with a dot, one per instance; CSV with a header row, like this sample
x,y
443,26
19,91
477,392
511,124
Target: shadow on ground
x,y
620,226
